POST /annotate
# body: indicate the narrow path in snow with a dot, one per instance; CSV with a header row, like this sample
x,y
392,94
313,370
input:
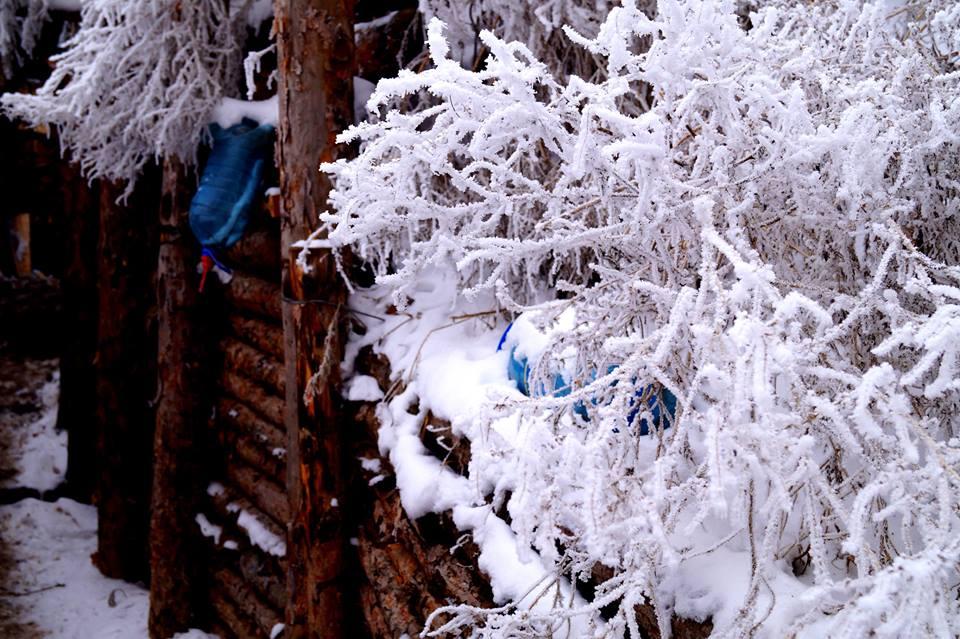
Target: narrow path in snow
x,y
25,386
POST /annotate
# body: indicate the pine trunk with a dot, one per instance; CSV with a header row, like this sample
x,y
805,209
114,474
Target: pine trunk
x,y
78,285
316,62
181,420
126,355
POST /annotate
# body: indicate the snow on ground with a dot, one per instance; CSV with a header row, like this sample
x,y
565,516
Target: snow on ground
x,y
49,587
32,453
57,586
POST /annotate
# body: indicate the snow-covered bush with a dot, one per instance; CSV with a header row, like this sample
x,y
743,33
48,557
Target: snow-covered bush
x,y
776,240
137,81
537,24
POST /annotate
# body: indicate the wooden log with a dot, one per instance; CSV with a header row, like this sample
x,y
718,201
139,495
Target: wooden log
x,y
250,362
257,252
382,49
236,622
219,629
20,236
254,295
256,455
245,599
392,598
78,382
183,371
239,387
256,486
373,614
315,53
227,505
267,576
263,336
404,547
239,416
126,379
438,437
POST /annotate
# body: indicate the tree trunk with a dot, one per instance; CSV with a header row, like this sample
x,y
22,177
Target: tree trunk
x,y
126,355
185,389
316,62
78,381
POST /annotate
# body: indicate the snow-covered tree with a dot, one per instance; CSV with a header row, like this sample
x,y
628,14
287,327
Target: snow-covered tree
x,y
762,216
137,81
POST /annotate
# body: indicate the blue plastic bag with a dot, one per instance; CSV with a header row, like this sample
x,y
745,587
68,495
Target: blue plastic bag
x,y
659,404
230,183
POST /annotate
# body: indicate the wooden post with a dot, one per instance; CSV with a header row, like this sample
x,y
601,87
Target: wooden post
x,y
316,62
126,353
185,394
78,382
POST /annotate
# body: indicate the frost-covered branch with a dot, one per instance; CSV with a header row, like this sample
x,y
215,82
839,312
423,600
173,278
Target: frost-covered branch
x,y
137,82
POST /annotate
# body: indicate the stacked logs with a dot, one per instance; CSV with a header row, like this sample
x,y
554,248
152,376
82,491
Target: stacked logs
x,y
413,567
409,567
248,583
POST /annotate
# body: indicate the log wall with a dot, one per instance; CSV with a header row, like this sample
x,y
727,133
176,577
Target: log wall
x,y
247,444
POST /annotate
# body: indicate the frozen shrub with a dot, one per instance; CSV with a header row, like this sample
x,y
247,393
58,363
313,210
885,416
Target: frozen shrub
x,y
775,240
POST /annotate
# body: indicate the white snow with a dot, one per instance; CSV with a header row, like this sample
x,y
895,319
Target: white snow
x,y
50,582
370,464
232,111
51,544
258,12
362,388
259,535
38,452
209,529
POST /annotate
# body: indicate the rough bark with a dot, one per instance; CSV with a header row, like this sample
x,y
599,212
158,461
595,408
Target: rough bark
x,y
316,62
247,600
382,51
239,416
252,395
263,336
264,369
254,295
258,252
181,416
126,379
